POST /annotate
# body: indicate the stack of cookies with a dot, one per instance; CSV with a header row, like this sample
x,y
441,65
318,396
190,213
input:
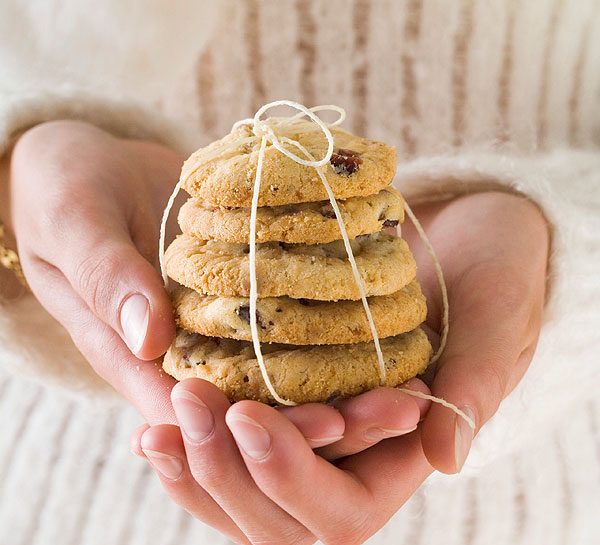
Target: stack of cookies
x,y
314,333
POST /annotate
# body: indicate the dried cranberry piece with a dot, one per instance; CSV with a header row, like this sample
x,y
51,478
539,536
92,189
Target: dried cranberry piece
x,y
390,223
327,211
345,162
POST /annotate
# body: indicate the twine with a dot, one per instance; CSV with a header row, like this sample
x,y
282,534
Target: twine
x,y
272,131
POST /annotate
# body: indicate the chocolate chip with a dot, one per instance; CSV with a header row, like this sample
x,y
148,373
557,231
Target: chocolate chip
x,y
390,223
244,313
327,211
345,162
246,379
333,396
278,310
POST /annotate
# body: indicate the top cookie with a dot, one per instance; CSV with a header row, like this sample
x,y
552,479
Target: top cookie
x,y
358,167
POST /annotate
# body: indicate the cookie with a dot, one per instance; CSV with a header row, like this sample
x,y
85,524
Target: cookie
x,y
320,272
302,374
308,223
300,321
358,167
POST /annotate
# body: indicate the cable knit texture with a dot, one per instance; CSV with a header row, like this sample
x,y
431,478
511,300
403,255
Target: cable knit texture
x,y
474,94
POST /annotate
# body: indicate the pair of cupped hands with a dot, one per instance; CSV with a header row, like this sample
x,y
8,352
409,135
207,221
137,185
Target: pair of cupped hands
x,y
85,209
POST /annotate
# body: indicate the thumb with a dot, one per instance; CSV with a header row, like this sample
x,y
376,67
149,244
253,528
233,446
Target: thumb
x,y
490,344
118,284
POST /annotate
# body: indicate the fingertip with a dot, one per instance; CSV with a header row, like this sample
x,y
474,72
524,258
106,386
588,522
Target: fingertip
x,y
419,386
157,328
447,438
135,440
320,424
386,408
207,392
162,438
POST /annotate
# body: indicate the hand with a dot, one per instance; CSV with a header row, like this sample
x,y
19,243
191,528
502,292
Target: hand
x,y
248,470
86,208
493,248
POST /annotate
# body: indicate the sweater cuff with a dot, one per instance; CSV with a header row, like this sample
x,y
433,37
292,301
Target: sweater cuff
x,y
563,373
124,118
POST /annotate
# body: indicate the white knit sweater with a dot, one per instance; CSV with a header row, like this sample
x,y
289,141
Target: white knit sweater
x,y
471,93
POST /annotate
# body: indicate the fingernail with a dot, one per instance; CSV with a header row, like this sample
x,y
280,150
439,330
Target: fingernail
x,y
194,416
322,441
377,434
170,467
251,437
135,313
463,437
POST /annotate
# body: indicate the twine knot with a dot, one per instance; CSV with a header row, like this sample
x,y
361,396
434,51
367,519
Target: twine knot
x,y
275,129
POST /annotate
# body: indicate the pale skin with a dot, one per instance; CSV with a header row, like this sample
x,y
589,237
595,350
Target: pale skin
x,y
85,209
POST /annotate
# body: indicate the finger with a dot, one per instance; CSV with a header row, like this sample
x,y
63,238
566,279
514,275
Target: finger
x,y
316,493
371,417
147,387
418,385
319,424
95,252
489,347
136,439
216,464
163,447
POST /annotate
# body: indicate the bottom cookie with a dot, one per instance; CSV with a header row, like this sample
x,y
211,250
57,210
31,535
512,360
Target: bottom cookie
x,y
303,374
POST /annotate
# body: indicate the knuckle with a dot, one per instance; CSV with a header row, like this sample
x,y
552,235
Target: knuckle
x,y
95,277
513,292
496,386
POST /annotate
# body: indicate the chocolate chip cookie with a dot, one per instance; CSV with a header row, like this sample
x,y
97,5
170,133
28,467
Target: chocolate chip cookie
x,y
358,167
302,374
300,321
300,271
307,223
